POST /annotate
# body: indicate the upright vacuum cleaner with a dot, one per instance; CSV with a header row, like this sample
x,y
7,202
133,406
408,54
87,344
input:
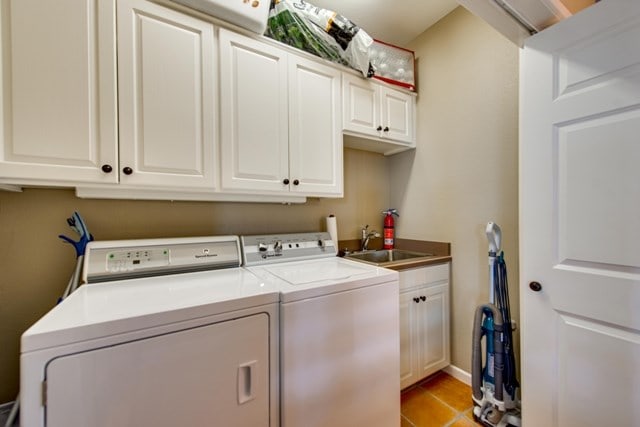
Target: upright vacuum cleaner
x,y
494,385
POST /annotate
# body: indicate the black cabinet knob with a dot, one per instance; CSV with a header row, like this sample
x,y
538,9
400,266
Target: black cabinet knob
x,y
379,128
127,170
386,129
423,298
285,181
296,182
107,168
535,286
416,299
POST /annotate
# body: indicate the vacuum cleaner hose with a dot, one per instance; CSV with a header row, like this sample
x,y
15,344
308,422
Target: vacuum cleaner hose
x,y
476,351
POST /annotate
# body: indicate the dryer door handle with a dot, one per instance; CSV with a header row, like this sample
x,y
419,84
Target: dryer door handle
x,y
246,379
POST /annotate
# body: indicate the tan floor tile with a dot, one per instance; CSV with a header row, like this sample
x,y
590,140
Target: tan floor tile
x,y
451,391
464,422
405,423
424,410
469,413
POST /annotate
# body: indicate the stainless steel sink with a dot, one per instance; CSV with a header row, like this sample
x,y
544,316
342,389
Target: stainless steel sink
x,y
385,256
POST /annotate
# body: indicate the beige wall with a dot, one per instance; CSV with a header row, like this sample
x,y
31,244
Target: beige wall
x,y
35,265
464,171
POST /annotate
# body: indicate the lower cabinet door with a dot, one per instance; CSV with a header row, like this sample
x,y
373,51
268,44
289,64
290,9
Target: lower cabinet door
x,y
408,339
211,375
433,327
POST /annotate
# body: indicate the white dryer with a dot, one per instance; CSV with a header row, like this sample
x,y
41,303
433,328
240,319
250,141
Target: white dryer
x,y
339,332
184,336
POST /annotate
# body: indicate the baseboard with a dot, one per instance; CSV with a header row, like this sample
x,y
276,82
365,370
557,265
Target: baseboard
x,y
458,374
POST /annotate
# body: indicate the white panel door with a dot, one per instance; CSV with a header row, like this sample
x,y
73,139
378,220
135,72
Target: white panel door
x,y
254,115
58,99
397,115
167,88
315,129
580,220
214,375
361,105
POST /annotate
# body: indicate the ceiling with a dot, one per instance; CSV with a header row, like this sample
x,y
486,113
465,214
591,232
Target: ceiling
x,y
396,22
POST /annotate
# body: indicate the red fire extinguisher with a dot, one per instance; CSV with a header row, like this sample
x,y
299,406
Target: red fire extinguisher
x,y
389,232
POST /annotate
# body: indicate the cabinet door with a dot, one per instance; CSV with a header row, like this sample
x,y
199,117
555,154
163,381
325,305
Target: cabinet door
x,y
253,99
361,105
433,329
408,339
397,115
315,137
58,101
167,97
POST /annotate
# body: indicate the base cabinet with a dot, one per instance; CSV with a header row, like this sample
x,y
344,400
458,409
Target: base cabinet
x,y
424,322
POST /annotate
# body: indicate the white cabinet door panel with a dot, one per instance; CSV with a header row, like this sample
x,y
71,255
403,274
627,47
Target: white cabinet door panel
x,y
361,101
408,335
397,115
167,97
254,114
211,375
433,319
58,90
315,139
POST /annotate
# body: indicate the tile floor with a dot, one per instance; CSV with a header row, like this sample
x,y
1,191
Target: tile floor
x,y
437,401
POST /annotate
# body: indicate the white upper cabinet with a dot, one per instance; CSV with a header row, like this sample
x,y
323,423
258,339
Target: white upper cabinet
x,y
254,118
58,94
315,137
167,97
382,118
280,119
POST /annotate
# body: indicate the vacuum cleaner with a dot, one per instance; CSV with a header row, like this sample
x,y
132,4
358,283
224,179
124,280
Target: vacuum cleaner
x,y
494,385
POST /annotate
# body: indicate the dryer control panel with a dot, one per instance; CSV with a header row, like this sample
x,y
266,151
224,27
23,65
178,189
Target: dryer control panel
x,y
123,259
272,248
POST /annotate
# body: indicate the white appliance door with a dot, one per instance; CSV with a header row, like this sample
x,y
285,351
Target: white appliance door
x,y
211,375
580,220
340,359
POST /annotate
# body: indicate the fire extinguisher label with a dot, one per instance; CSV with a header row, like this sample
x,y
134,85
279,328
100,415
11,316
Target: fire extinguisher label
x,y
388,236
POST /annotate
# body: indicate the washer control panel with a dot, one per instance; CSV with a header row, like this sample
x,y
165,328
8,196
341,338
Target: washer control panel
x,y
272,248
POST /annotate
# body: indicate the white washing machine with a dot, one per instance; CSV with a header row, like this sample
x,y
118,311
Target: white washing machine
x,y
183,336
339,332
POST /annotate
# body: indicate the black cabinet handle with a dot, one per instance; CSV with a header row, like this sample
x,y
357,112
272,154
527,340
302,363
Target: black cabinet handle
x,y
386,129
416,299
423,298
296,182
107,168
127,170
535,286
379,128
285,181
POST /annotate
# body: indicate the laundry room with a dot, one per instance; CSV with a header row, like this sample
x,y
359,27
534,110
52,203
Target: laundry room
x,y
162,119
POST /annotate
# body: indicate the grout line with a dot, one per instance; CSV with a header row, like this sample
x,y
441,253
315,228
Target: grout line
x,y
407,420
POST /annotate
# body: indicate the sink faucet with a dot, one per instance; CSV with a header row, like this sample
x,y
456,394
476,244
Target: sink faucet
x,y
366,236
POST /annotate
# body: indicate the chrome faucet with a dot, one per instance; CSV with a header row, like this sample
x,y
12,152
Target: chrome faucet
x,y
366,236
